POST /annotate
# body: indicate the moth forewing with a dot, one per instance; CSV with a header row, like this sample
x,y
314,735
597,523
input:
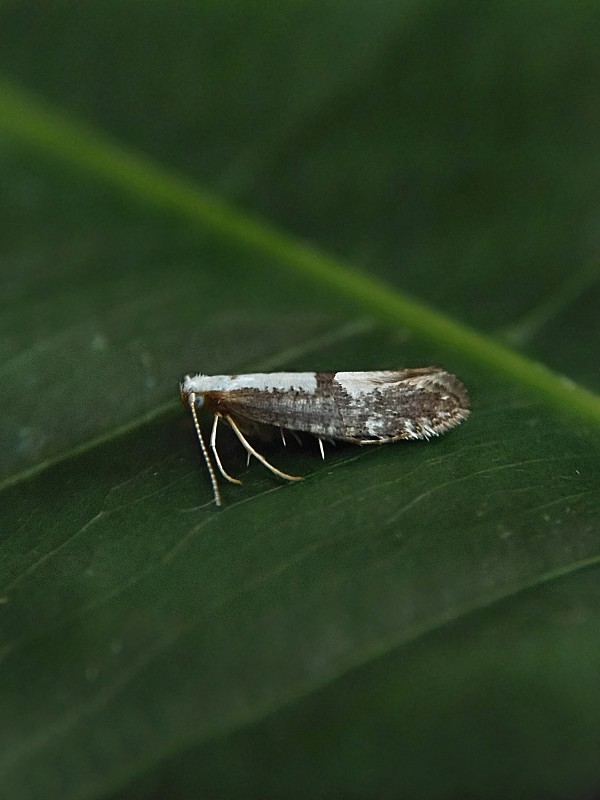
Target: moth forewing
x,y
360,407
409,404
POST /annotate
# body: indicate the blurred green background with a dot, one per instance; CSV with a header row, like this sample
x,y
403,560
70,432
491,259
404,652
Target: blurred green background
x,y
249,186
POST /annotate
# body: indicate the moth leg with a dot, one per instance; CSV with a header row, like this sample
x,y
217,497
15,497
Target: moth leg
x,y
251,451
213,447
321,448
283,437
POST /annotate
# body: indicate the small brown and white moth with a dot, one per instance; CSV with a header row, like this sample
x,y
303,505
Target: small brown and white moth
x,y
358,407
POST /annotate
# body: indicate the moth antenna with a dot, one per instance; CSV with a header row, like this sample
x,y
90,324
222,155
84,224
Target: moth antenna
x,y
321,448
251,451
213,447
209,466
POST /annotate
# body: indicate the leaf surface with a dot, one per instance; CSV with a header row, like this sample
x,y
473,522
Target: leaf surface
x,y
288,202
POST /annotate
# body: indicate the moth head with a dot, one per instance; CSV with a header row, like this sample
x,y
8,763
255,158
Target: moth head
x,y
189,395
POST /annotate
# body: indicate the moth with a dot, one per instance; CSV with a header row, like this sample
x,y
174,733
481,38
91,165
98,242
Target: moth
x,y
358,407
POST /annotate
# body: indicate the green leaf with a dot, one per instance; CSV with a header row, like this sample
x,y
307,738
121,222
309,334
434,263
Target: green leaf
x,y
217,188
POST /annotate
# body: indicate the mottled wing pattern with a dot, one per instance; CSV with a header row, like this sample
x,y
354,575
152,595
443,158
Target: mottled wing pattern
x,y
358,407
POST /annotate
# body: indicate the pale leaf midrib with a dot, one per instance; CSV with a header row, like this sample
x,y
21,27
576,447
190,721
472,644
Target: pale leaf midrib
x,y
34,124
